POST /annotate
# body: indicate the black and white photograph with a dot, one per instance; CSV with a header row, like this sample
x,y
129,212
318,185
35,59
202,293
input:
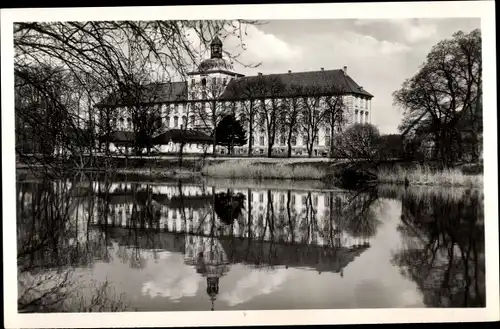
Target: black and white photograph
x,y
259,164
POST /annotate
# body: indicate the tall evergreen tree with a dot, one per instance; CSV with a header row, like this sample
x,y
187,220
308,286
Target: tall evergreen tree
x,y
229,132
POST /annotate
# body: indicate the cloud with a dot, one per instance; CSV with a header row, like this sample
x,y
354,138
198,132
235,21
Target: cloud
x,y
415,30
263,47
257,283
172,279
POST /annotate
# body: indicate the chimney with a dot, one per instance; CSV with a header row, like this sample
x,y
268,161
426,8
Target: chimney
x,y
322,69
345,70
260,73
289,71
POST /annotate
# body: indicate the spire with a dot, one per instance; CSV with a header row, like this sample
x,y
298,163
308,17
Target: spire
x,y
216,48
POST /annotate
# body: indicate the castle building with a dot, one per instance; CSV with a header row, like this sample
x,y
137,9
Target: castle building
x,y
275,109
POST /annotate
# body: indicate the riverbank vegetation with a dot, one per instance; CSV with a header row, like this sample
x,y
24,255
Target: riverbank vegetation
x,y
245,169
425,175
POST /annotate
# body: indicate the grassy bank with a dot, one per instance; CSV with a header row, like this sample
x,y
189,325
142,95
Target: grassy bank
x,y
244,169
423,175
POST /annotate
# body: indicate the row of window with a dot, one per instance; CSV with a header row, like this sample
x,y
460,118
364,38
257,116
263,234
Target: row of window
x,y
215,81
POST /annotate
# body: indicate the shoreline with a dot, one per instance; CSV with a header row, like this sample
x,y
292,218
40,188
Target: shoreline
x,y
324,172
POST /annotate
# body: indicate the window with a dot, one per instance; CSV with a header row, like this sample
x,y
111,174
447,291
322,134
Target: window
x,y
176,108
184,120
192,120
203,82
193,95
224,82
316,140
261,141
304,139
304,199
192,83
167,121
261,197
294,140
327,201
283,140
282,198
327,140
315,200
121,122
176,122
327,131
214,81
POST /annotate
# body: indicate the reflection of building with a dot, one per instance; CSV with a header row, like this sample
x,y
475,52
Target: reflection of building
x,y
299,217
215,87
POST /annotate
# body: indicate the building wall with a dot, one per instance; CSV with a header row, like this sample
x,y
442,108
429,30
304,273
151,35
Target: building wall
x,y
197,112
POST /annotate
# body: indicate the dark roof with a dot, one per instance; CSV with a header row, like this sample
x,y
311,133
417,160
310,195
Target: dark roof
x,y
179,135
215,64
293,84
151,93
216,41
185,201
119,137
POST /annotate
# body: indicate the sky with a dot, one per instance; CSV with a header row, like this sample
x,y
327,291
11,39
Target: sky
x,y
379,54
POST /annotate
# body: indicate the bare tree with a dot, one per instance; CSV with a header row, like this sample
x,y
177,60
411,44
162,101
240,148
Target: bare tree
x,y
98,55
335,114
312,114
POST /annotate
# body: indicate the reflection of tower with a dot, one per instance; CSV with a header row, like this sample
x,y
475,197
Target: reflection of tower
x,y
212,289
211,262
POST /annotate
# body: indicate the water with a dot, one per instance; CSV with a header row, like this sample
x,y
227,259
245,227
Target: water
x,y
94,245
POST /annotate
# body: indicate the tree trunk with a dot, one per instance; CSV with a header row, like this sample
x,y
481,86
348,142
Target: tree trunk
x,y
250,128
289,142
332,146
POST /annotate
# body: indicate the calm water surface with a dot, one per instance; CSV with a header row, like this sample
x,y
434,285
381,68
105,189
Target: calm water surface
x,y
94,245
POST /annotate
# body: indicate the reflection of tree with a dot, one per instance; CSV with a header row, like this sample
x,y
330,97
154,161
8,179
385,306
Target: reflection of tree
x,y
229,206
444,247
60,291
52,221
53,239
359,213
